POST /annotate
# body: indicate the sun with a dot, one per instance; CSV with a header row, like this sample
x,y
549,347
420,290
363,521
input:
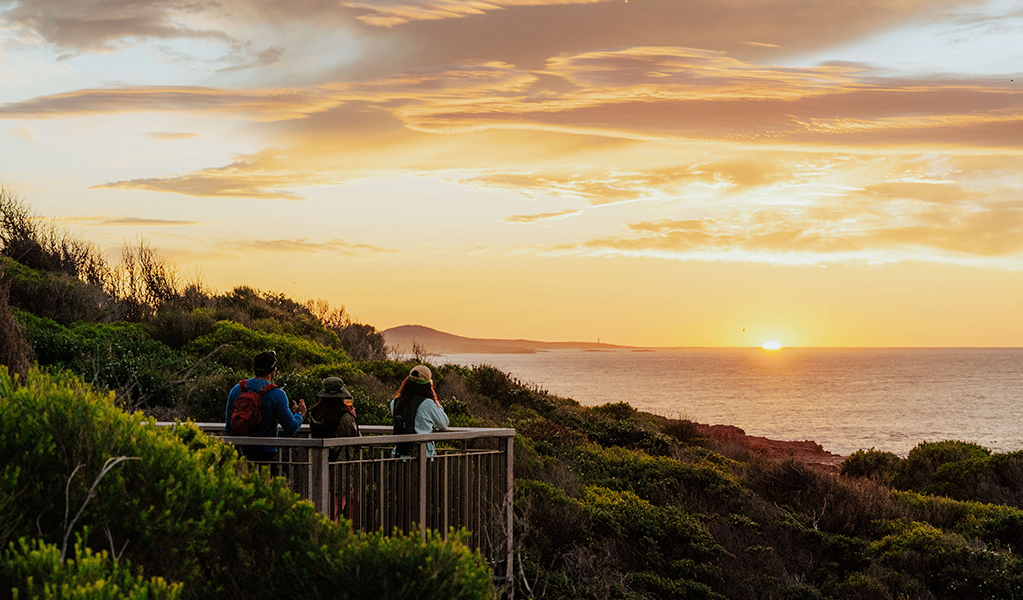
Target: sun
x,y
772,346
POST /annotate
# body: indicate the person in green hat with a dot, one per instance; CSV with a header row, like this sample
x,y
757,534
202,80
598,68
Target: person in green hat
x,y
333,415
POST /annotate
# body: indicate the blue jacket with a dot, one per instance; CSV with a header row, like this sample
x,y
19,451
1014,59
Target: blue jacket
x,y
429,418
276,410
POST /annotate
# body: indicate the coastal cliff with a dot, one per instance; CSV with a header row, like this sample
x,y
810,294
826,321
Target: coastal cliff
x,y
808,452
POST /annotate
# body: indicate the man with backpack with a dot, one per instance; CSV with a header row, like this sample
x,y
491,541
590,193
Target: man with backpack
x,y
416,409
256,406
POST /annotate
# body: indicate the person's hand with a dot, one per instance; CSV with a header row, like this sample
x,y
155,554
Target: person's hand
x,y
301,407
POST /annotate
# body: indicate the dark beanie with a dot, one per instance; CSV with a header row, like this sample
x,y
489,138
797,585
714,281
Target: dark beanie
x,y
264,362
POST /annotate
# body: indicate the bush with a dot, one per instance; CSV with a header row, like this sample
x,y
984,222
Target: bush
x,y
33,569
706,487
119,356
398,567
666,532
874,464
923,461
293,352
177,327
53,295
820,500
15,352
947,566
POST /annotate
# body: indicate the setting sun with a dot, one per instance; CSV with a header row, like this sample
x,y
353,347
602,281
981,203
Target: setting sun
x,y
772,346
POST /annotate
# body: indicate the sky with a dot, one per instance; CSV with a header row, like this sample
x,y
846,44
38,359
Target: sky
x,y
642,172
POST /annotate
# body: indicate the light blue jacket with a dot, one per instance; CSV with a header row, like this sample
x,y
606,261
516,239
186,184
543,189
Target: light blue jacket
x,y
429,418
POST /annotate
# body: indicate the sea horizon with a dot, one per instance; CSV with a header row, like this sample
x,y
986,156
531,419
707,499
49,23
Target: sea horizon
x,y
844,398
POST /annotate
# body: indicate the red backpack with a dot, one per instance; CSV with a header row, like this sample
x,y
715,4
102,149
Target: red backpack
x,y
247,415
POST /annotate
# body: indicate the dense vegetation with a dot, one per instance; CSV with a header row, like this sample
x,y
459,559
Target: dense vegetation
x,y
610,502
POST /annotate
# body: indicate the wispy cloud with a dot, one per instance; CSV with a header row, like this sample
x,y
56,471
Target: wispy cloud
x,y
106,221
105,25
259,105
551,216
305,246
262,175
169,135
386,13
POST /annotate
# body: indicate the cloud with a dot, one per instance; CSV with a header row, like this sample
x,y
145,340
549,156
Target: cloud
x,y
886,222
102,221
259,105
169,135
527,36
270,56
105,25
551,216
650,93
305,246
260,175
24,132
387,13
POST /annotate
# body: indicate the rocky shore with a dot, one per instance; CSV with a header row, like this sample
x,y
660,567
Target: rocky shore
x,y
807,452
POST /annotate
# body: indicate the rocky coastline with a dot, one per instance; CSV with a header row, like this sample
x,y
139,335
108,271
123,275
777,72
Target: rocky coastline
x,y
807,452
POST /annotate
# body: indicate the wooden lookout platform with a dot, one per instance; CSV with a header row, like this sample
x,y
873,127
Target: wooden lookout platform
x,y
466,484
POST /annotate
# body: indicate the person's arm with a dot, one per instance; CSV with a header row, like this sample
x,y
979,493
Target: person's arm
x,y
435,414
348,426
290,422
231,397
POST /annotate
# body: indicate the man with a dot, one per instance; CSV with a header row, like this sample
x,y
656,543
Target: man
x,y
275,408
416,409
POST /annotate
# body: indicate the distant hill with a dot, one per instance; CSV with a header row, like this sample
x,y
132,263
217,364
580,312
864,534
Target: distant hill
x,y
438,342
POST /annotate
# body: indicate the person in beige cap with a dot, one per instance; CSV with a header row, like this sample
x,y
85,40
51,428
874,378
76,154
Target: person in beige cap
x,y
416,409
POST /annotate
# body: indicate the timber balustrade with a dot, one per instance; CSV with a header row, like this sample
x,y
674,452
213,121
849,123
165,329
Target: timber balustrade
x,y
466,484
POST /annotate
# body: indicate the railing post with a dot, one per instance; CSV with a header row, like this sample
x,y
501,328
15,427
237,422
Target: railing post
x,y
508,445
319,478
421,463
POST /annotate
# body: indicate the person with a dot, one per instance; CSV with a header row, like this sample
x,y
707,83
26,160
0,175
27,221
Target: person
x,y
275,408
416,409
333,415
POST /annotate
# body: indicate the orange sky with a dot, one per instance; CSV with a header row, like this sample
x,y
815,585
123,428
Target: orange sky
x,y
650,172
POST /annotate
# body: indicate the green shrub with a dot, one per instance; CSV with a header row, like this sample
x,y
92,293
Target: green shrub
x,y
33,569
390,372
665,531
820,500
997,478
119,356
547,519
947,566
872,463
398,567
176,327
293,352
55,295
705,487
656,586
923,461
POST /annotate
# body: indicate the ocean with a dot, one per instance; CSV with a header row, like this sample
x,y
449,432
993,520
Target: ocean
x,y
845,399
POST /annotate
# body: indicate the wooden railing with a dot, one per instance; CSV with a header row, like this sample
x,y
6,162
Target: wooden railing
x,y
466,484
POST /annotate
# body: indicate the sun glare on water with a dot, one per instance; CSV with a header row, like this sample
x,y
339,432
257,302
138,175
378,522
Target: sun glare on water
x,y
772,346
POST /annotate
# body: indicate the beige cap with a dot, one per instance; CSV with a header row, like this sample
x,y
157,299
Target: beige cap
x,y
421,374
